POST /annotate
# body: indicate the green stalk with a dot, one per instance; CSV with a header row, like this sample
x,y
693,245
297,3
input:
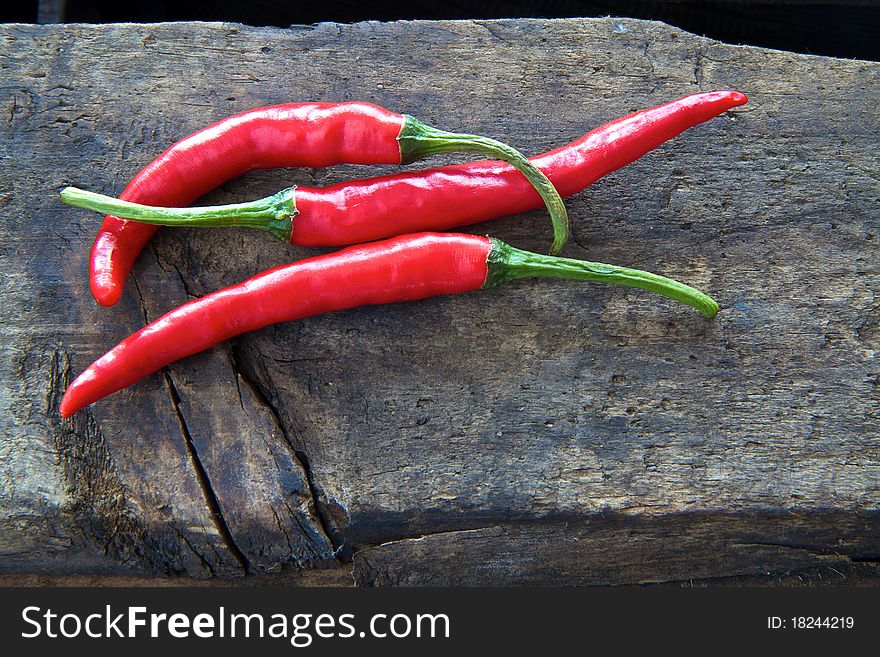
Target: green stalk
x,y
507,263
273,214
418,140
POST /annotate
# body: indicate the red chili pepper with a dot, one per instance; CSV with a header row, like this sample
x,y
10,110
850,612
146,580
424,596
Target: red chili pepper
x,y
290,135
399,269
364,210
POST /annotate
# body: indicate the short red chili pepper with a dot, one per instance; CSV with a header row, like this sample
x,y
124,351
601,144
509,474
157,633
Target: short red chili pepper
x,y
374,208
289,135
399,269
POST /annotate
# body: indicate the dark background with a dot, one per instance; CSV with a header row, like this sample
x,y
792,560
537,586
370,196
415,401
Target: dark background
x,y
838,28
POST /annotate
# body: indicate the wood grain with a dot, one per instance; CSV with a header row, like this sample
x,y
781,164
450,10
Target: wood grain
x,y
546,432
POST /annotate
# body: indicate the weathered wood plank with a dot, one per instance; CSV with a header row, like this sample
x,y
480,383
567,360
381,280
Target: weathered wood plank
x,y
498,425
615,548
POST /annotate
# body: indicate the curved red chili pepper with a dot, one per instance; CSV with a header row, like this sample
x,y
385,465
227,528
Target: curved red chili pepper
x,y
459,195
289,135
399,269
369,209
286,136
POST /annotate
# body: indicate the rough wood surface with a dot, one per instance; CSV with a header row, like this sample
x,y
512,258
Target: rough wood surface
x,y
539,433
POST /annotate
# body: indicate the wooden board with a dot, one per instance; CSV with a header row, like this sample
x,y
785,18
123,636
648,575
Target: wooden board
x,y
544,432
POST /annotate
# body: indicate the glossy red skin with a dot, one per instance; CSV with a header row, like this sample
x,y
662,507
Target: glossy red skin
x,y
374,208
452,196
290,135
402,268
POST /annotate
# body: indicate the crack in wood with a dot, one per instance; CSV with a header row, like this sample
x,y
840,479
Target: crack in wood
x,y
797,548
210,496
261,395
201,558
812,551
420,537
203,479
183,281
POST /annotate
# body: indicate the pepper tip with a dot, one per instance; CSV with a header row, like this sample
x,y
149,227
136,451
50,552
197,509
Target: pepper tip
x,y
738,98
65,407
106,295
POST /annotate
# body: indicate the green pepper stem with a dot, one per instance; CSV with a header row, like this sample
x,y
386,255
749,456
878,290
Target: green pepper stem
x,y
507,263
418,140
273,214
